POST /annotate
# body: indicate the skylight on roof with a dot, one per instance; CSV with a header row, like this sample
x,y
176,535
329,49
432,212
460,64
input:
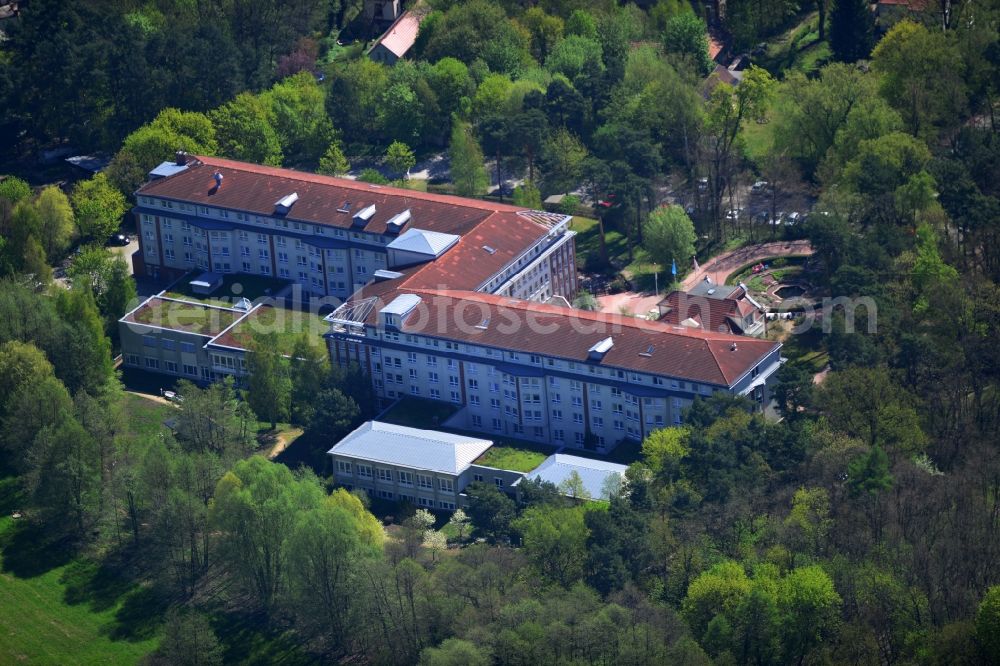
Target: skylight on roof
x,y
345,207
648,352
489,249
484,324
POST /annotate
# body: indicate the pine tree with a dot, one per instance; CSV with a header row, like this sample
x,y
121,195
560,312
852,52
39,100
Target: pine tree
x,y
851,30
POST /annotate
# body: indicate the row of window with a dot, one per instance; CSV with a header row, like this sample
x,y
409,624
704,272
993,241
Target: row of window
x,y
222,213
535,359
167,343
151,363
403,477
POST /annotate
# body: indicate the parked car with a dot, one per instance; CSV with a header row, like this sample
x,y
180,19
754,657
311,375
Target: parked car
x,y
734,213
118,239
793,218
760,187
702,184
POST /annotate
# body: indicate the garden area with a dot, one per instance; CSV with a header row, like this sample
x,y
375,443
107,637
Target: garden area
x,y
797,49
515,455
287,324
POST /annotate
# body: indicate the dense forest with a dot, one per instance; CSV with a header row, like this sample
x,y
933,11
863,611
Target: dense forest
x,y
863,527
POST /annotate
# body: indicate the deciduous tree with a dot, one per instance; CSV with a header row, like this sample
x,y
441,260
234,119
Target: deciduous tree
x,y
468,169
400,158
669,235
269,385
56,223
245,131
99,207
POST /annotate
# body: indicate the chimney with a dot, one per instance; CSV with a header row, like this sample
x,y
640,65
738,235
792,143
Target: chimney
x,y
218,179
181,157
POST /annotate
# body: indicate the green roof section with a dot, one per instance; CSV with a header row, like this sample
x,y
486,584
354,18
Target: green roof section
x,y
185,316
287,323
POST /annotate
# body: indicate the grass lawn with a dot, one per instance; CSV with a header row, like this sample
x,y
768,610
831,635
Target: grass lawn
x,y
758,138
54,610
418,413
588,243
145,417
515,455
798,49
416,184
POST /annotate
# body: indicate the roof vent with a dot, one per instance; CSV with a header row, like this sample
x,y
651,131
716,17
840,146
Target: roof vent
x,y
243,304
218,179
398,221
648,352
711,291
732,347
484,324
364,216
181,157
345,207
285,203
489,249
597,352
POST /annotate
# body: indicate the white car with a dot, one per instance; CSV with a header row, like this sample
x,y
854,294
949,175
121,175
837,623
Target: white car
x,y
760,186
734,213
793,218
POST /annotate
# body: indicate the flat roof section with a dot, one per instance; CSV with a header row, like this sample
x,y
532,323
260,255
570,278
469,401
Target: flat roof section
x,y
428,450
559,467
184,316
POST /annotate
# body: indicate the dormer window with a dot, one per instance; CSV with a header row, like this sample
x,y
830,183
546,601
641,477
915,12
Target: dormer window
x,y
364,216
285,203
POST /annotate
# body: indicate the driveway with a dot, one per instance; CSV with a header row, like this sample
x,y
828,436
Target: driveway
x,y
126,251
628,302
720,267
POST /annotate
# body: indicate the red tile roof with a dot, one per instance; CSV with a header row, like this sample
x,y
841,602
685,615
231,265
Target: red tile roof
x,y
514,324
713,314
551,330
467,264
508,230
255,188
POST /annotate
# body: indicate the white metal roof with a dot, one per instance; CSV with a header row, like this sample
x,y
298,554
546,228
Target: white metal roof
x,y
557,468
401,304
431,450
165,169
421,241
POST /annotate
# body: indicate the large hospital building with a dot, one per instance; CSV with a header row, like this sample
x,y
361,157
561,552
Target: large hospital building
x,y
449,299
